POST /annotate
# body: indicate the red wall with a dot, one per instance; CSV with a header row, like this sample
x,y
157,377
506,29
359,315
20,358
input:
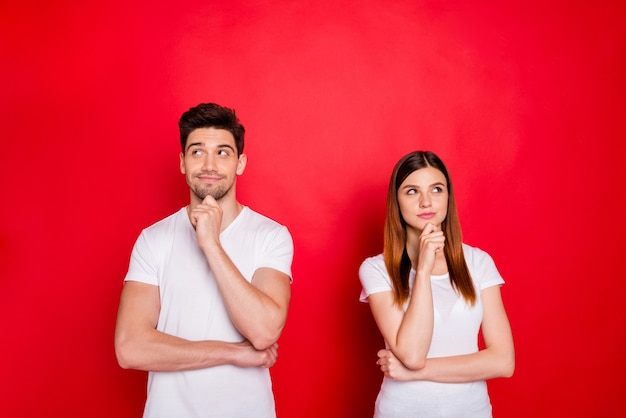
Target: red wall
x,y
525,102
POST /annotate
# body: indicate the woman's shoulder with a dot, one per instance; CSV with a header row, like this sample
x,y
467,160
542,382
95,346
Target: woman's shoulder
x,y
373,276
374,261
373,266
472,252
481,266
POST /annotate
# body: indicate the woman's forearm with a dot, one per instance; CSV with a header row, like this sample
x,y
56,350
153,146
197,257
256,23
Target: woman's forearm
x,y
483,365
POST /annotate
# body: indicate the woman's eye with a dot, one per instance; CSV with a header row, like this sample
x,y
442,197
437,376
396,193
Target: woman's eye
x,y
411,191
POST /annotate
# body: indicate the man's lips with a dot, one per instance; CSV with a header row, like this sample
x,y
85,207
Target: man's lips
x,y
206,178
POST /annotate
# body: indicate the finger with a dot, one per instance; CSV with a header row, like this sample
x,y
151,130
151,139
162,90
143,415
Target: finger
x,y
204,208
434,236
428,228
209,200
435,240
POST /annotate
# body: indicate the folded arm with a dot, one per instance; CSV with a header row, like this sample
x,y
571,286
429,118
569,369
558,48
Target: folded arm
x,y
409,333
258,309
139,345
497,359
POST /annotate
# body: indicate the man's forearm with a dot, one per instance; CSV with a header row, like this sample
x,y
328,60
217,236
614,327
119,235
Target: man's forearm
x,y
257,316
153,350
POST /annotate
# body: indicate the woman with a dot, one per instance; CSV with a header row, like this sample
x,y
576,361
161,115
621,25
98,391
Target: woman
x,y
430,294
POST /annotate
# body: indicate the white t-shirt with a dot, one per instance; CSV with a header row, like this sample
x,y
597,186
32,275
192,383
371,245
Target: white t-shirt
x,y
455,332
167,255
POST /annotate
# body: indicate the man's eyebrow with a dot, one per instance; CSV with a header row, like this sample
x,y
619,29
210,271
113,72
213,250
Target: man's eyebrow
x,y
195,144
203,145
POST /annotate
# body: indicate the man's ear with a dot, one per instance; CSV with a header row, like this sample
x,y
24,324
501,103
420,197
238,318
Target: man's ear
x,y
241,165
182,163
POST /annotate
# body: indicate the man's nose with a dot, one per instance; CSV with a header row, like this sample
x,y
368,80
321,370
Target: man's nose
x,y
208,163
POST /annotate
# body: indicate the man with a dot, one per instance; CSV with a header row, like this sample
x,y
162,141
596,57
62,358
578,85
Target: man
x,y
207,290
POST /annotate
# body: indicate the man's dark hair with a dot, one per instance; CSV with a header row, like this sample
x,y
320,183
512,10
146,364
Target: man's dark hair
x,y
211,115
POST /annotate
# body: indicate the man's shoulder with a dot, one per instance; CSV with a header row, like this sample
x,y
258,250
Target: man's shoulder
x,y
255,226
251,216
168,223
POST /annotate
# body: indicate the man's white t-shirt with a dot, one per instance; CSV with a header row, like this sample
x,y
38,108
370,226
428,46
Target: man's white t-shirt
x,y
455,332
167,255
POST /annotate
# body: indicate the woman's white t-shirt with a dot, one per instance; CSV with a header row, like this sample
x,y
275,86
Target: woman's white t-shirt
x,y
455,332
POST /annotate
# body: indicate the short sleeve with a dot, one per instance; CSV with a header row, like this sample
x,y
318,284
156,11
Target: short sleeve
x,y
373,276
482,268
278,251
143,267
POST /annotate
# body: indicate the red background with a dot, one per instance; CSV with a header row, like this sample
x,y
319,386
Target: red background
x,y
525,102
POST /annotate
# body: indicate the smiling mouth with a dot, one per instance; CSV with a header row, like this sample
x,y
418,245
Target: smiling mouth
x,y
209,177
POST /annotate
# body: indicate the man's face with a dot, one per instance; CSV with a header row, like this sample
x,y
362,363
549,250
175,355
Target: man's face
x,y
210,163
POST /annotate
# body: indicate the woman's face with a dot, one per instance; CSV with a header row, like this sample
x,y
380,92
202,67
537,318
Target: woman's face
x,y
423,198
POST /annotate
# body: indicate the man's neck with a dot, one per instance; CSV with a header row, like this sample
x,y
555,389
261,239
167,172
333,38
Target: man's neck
x,y
230,211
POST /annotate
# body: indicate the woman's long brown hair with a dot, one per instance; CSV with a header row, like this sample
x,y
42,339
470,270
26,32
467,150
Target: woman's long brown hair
x,y
396,258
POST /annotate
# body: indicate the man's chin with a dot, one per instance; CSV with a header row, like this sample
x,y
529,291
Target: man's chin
x,y
215,194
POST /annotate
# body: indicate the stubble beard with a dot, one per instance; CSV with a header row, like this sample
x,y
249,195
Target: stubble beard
x,y
217,191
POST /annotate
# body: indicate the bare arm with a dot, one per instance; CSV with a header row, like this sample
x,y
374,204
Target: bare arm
x,y
258,309
496,360
138,345
409,333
